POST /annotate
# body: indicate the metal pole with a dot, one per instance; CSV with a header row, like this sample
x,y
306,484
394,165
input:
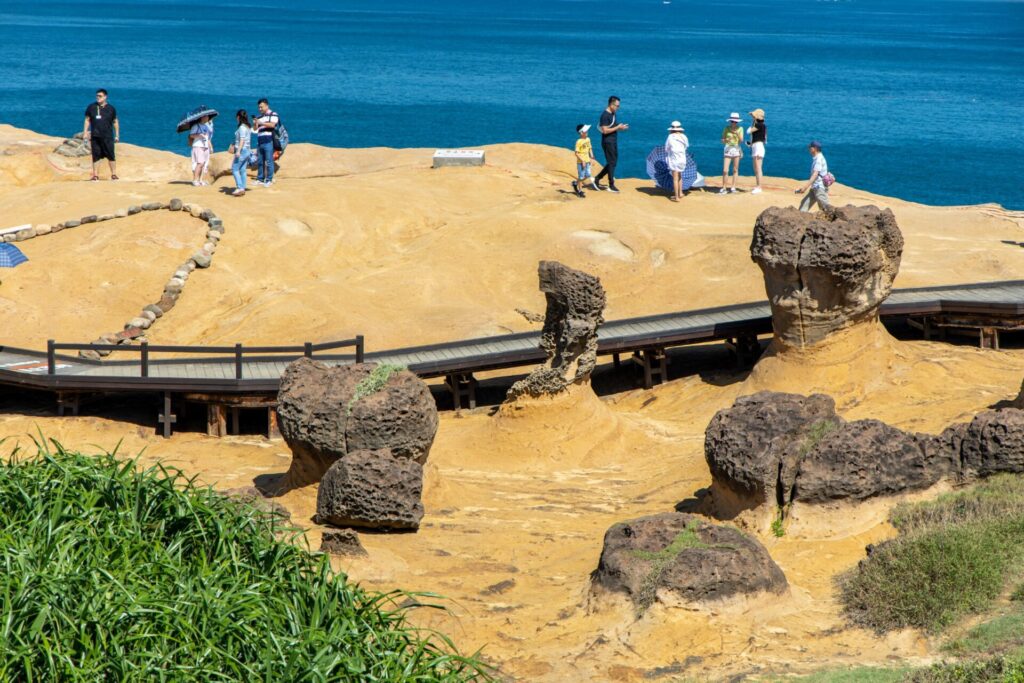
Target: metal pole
x,y
145,359
238,361
51,357
309,349
359,348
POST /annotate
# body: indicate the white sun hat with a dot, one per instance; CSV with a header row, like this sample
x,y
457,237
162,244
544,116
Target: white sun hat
x,y
676,127
735,117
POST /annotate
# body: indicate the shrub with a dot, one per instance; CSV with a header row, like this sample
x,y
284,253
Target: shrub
x,y
374,382
111,573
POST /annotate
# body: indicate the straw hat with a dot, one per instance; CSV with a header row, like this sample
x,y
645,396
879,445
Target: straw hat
x,y
758,113
676,127
735,117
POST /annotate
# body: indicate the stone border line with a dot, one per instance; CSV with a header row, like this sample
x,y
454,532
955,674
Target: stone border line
x,y
135,329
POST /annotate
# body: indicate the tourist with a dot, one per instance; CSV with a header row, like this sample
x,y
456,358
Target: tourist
x,y
102,130
241,148
758,132
732,137
610,128
199,140
675,148
817,186
584,157
264,126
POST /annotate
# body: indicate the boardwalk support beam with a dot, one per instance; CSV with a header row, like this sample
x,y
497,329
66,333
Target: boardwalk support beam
x,y
167,418
462,384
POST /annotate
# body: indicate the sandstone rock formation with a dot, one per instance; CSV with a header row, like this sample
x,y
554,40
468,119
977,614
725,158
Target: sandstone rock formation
x,y
827,271
75,146
684,556
327,412
575,303
371,489
775,449
342,542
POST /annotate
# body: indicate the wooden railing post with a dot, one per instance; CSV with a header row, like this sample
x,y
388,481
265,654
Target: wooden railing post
x,y
51,357
309,349
145,359
359,348
238,361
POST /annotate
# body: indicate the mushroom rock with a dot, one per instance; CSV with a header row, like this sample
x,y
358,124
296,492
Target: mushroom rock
x,y
575,304
825,272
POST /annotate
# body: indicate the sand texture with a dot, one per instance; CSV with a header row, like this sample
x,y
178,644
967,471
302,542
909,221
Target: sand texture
x,y
517,502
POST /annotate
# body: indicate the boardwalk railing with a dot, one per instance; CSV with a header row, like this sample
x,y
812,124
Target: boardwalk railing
x,y
238,351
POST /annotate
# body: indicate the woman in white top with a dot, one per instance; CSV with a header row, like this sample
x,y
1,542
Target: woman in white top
x,y
199,140
675,148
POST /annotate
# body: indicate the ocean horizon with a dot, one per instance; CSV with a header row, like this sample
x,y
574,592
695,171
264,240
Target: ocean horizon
x,y
915,100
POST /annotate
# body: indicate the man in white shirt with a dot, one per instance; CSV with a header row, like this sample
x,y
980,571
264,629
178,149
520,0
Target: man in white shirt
x,y
264,129
817,191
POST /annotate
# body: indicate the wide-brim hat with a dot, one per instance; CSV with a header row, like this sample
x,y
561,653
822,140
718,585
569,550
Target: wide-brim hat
x,y
734,117
757,113
676,127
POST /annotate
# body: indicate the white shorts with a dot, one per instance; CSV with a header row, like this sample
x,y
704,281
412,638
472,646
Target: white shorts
x,y
757,150
733,152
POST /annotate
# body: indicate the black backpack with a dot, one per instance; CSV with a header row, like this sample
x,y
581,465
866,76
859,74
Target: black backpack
x,y
280,136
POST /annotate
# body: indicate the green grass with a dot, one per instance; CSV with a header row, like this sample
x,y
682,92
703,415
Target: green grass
x,y
112,573
993,670
817,432
374,382
954,556
1003,634
860,674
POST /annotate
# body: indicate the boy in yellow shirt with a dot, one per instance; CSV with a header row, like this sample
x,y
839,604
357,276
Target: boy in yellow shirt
x,y
584,156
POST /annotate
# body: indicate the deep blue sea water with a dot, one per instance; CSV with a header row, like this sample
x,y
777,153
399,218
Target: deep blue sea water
x,y
922,99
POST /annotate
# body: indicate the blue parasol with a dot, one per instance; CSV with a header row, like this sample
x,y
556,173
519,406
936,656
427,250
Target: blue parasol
x,y
193,117
11,256
657,169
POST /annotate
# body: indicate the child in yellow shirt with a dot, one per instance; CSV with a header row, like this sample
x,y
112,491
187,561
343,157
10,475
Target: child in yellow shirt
x,y
584,156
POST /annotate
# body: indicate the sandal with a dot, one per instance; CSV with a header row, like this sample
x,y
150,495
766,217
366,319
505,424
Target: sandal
x,y
114,177
94,178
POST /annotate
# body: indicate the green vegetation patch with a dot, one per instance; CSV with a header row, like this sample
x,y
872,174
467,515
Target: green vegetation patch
x,y
1003,634
953,557
112,573
818,431
374,382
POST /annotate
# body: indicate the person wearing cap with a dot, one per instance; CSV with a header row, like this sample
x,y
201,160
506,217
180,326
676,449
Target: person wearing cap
x,y
584,157
817,191
675,149
732,138
758,132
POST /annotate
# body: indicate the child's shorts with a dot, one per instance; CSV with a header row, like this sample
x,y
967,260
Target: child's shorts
x,y
733,152
583,170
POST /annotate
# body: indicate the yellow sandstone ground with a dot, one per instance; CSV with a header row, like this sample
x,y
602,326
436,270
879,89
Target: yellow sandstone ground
x,y
517,502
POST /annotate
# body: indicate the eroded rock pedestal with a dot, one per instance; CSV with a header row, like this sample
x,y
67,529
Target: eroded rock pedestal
x,y
685,558
827,271
363,432
770,450
575,304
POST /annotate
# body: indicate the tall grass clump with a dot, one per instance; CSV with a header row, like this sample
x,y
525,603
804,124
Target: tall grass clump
x,y
112,573
953,557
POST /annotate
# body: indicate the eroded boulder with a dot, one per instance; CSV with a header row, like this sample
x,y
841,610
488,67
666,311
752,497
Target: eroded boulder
x,y
326,412
75,146
685,557
371,489
827,271
575,306
342,542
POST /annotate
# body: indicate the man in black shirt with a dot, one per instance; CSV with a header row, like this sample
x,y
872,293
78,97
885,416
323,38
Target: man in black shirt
x,y
610,128
102,129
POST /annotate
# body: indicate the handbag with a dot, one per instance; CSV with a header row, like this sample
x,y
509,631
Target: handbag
x,y
828,179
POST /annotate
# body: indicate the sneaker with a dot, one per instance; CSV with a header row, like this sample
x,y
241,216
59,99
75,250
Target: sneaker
x,y
599,187
756,190
258,183
723,191
268,183
596,187
195,183
732,190
576,188
238,193
612,188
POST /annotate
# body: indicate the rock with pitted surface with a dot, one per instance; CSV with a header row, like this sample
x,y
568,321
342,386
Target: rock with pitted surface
x,y
992,442
326,412
686,558
825,272
575,307
75,146
342,542
371,489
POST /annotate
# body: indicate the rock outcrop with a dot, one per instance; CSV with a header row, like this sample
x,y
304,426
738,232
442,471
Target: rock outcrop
x,y
776,449
827,271
342,542
371,489
575,303
327,412
684,557
75,146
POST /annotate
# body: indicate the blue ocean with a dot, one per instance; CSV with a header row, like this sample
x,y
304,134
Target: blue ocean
x,y
920,99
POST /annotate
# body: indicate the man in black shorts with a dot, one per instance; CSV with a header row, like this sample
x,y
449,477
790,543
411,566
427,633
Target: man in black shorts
x,y
102,129
610,128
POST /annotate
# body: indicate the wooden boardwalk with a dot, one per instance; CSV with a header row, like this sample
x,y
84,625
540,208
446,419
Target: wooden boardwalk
x,y
648,337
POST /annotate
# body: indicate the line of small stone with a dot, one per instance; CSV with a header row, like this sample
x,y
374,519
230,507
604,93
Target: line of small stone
x,y
135,329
